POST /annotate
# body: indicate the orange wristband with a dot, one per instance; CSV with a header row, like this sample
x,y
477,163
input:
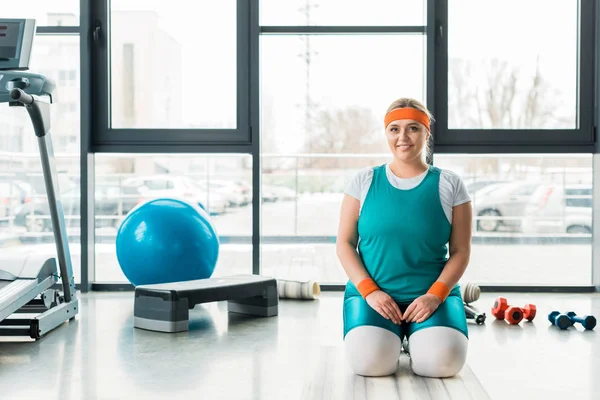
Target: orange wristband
x,y
366,287
440,289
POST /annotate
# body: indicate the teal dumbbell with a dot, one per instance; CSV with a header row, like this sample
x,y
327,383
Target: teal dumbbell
x,y
563,321
588,322
560,320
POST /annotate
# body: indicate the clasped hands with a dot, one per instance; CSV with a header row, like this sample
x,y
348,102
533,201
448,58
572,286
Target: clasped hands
x,y
418,311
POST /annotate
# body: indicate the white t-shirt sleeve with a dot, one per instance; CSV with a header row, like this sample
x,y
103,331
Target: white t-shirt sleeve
x,y
453,192
359,185
461,195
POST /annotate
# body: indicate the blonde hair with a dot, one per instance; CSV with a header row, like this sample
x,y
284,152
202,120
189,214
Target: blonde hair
x,y
404,102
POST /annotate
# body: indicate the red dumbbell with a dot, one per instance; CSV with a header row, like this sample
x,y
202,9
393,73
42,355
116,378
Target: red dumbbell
x,y
513,315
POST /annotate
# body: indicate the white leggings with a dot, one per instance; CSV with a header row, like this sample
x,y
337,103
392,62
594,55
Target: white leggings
x,y
436,352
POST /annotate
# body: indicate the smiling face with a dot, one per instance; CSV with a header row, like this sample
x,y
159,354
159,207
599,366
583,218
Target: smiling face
x,y
407,139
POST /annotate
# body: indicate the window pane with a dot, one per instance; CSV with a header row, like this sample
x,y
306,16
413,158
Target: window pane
x,y
302,196
524,77
46,13
221,184
329,94
523,236
339,12
173,69
25,223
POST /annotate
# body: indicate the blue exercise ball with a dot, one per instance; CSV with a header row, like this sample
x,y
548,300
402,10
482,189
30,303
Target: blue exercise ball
x,y
167,240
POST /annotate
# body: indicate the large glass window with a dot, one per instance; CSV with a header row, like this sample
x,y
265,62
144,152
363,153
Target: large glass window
x,y
171,68
323,100
532,217
46,13
221,184
329,93
25,224
523,75
340,12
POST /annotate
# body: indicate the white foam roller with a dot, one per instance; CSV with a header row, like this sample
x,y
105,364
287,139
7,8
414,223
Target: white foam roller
x,y
298,289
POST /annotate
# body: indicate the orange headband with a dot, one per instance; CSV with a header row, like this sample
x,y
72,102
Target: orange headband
x,y
407,113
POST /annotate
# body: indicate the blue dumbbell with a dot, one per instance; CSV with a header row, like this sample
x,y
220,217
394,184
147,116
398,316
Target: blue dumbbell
x,y
563,321
588,322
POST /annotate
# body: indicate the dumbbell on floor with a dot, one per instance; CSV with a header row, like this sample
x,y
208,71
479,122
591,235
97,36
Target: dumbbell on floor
x,y
588,322
512,314
474,314
563,321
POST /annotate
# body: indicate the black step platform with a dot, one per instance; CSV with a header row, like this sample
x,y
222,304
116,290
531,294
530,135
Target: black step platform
x,y
165,307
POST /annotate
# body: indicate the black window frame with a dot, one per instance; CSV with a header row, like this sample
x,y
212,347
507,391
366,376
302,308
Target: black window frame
x,y
105,138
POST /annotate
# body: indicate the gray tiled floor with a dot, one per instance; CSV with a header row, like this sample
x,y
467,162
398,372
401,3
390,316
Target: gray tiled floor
x,y
296,355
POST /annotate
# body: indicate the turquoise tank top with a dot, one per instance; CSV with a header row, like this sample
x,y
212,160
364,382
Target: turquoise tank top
x,y
403,235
